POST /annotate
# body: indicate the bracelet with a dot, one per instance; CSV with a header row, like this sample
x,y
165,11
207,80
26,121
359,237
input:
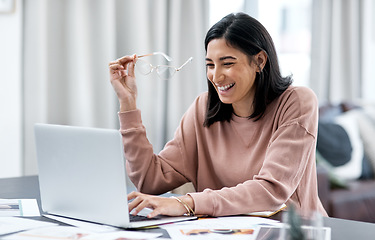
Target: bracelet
x,y
190,211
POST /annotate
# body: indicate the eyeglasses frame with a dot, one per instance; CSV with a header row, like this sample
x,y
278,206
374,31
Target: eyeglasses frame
x,y
168,58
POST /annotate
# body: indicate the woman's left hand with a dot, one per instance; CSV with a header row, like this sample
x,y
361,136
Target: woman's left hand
x,y
160,205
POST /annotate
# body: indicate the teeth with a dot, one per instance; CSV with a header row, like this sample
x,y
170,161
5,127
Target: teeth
x,y
226,87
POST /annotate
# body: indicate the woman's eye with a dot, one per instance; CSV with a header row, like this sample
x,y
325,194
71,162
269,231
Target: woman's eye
x,y
228,63
209,65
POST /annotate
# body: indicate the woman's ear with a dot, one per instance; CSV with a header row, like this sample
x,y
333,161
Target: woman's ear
x,y
261,60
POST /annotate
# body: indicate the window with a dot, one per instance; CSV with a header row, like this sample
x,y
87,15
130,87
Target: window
x,y
288,22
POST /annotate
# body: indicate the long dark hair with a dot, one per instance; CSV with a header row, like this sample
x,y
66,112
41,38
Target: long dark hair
x,y
248,35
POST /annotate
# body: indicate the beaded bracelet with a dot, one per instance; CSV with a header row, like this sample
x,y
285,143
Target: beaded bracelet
x,y
190,211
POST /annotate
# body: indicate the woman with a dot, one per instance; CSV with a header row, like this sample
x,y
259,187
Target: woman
x,y
247,145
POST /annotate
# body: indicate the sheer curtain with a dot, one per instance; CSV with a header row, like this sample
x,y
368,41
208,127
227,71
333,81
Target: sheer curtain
x,y
68,45
343,47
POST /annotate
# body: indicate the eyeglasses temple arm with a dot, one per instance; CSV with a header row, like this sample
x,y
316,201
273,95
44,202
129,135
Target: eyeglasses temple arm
x,y
157,53
164,55
183,65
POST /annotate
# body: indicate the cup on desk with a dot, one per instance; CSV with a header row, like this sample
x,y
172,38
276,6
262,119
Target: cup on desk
x,y
297,228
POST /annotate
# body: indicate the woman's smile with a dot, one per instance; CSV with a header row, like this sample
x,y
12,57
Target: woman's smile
x,y
225,87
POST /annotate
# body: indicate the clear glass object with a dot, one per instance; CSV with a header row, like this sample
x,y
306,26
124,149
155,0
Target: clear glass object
x,y
309,228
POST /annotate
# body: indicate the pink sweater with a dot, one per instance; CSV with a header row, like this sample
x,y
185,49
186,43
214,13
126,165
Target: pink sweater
x,y
236,167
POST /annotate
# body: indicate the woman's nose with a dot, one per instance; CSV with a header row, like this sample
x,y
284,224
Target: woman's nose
x,y
217,76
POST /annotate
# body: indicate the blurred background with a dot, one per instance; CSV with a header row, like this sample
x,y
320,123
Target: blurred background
x,y
54,57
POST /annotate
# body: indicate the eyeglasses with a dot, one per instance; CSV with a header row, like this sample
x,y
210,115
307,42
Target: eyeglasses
x,y
164,72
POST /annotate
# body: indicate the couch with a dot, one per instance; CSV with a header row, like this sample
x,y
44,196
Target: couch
x,y
346,160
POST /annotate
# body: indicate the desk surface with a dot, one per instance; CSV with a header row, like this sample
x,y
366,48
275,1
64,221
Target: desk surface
x,y
28,187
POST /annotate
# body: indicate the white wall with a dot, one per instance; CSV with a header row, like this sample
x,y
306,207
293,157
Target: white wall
x,y
11,91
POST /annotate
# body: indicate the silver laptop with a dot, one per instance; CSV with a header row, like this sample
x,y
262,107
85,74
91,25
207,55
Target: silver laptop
x,y
82,175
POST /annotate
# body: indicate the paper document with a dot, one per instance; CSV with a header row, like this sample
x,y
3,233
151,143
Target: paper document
x,y
73,233
224,222
249,233
19,207
233,227
16,224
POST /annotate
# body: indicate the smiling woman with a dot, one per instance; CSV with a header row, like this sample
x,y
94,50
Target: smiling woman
x,y
252,47
233,74
248,145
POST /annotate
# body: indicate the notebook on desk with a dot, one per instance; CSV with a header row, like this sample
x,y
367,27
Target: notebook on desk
x,y
82,175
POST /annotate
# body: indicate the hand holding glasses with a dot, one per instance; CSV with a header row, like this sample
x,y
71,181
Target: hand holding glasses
x,y
164,72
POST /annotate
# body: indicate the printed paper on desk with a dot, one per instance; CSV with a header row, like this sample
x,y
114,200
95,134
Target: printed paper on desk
x,y
67,232
16,224
248,233
52,233
19,207
123,235
209,228
234,222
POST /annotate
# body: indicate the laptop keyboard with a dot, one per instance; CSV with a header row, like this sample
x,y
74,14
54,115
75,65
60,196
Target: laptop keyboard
x,y
137,218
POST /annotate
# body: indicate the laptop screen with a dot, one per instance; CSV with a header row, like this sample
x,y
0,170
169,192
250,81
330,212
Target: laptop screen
x,y
82,173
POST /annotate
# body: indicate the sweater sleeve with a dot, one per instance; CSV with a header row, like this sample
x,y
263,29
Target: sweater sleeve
x,y
158,173
290,152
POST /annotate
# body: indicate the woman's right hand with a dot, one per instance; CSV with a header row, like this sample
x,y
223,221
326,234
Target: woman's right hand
x,y
123,81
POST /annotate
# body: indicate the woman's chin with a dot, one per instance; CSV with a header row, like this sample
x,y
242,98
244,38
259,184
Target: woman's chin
x,y
225,100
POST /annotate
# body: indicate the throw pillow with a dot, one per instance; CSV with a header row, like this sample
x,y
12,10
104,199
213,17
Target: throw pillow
x,y
352,169
367,130
340,145
334,180
333,143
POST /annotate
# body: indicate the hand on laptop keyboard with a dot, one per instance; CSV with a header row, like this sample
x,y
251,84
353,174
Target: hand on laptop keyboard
x,y
160,205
